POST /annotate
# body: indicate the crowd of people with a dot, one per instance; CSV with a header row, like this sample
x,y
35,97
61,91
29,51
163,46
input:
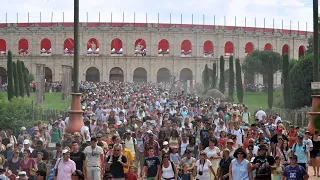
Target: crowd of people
x,y
145,131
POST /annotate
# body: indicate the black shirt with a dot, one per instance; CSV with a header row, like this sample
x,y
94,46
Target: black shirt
x,y
274,138
116,169
263,172
205,141
78,158
152,165
44,152
224,166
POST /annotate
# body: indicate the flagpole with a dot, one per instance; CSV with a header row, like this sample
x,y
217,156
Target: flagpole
x,y
146,18
40,17
181,19
170,18
99,17
6,18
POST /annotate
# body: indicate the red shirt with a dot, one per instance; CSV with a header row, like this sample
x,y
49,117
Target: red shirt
x,y
292,134
131,176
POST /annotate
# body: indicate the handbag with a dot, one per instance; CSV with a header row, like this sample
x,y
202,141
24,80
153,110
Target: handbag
x,y
32,170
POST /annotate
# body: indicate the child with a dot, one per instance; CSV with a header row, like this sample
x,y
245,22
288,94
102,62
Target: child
x,y
174,156
276,174
186,174
131,175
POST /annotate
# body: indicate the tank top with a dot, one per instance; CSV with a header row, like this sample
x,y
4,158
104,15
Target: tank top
x,y
173,142
167,173
111,120
183,147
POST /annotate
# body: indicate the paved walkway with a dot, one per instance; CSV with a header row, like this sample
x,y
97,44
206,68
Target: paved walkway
x,y
310,172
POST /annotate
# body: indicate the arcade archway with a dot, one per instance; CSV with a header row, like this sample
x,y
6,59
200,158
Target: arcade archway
x,y
3,75
140,75
92,75
163,75
116,75
48,74
185,75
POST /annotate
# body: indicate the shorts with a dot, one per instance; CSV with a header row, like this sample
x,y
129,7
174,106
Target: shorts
x,y
314,154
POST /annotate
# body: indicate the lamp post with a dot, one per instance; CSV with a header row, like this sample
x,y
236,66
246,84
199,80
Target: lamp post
x,y
75,120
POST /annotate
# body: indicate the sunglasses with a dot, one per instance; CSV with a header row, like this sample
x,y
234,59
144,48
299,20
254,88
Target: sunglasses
x,y
240,153
165,156
99,137
250,149
117,150
280,139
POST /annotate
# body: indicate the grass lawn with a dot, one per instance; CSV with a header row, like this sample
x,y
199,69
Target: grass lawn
x,y
52,101
253,100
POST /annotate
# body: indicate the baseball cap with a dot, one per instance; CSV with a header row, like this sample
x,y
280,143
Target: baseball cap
x,y
65,151
26,141
165,143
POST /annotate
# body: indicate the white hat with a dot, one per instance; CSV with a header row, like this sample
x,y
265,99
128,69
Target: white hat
x,y
234,105
9,145
119,123
23,128
65,151
165,143
26,141
22,173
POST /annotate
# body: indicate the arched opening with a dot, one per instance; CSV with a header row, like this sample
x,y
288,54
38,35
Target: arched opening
x,y
210,75
185,75
68,47
248,79
249,48
140,75
23,47
268,47
48,74
3,75
302,50
285,49
93,47
163,75
45,47
3,47
92,75
116,47
228,49
140,47
186,48
116,75
208,49
163,47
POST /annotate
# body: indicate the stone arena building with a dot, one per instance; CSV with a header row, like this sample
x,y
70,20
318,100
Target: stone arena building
x,y
136,52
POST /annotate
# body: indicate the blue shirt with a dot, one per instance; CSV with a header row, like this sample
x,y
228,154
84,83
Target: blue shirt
x,y
301,152
294,173
240,171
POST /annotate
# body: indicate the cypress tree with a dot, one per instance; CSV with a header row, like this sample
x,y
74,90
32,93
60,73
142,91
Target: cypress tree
x,y
239,81
214,72
10,90
15,79
222,87
231,79
270,83
21,80
286,83
25,78
206,78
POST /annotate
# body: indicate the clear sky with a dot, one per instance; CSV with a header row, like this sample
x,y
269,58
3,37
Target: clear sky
x,y
286,10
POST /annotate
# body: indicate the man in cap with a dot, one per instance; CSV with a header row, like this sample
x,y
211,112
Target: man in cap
x,y
40,148
294,171
301,150
26,145
131,143
64,167
22,175
95,160
263,163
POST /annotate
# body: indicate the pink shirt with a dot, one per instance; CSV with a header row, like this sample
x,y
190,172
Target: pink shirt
x,y
65,169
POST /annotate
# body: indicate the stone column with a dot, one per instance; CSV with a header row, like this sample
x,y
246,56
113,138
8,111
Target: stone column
x,y
40,84
66,81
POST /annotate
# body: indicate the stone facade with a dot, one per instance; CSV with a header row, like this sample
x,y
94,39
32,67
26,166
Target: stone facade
x,y
151,63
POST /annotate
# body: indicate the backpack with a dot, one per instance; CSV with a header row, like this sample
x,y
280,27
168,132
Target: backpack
x,y
304,147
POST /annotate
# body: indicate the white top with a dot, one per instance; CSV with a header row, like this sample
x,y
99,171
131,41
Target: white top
x,y
93,156
130,145
260,113
239,134
254,151
85,129
168,172
212,152
183,147
204,168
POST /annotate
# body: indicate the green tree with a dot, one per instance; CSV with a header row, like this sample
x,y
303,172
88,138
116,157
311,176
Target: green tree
x,y
315,62
231,79
222,84
239,81
286,83
10,90
21,79
15,79
270,82
214,78
25,78
257,61
300,79
206,78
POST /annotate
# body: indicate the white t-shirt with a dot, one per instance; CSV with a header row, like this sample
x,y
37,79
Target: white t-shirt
x,y
130,145
308,143
204,168
239,134
213,153
93,155
85,129
254,151
260,113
